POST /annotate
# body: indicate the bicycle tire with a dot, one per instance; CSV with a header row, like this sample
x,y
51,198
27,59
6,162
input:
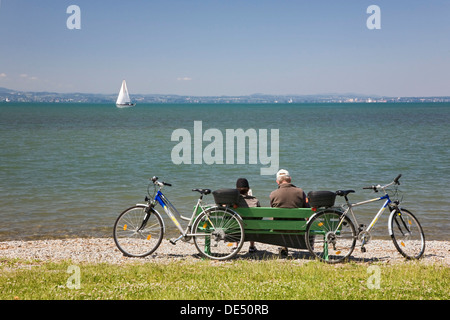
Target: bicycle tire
x,y
222,233
410,244
135,239
325,241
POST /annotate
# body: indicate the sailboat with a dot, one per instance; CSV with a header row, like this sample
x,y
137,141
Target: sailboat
x,y
123,100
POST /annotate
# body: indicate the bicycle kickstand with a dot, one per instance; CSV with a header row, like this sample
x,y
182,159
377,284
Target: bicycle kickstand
x,y
363,239
363,249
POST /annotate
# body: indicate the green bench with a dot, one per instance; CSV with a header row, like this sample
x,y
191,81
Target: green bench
x,y
276,226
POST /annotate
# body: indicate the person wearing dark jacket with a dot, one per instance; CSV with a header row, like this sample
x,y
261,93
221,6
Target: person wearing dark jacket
x,y
247,200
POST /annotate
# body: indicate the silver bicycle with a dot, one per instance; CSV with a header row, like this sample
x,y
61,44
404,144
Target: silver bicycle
x,y
217,231
332,234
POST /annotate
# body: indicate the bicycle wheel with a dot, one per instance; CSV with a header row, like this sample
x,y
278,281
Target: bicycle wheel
x,y
138,234
406,233
328,239
219,233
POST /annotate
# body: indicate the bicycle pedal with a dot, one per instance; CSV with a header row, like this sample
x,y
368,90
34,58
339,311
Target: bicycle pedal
x,y
174,241
363,250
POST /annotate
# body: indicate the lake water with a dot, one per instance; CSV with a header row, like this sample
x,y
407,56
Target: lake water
x,y
68,170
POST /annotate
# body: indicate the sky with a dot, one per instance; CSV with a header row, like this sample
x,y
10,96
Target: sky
x,y
227,47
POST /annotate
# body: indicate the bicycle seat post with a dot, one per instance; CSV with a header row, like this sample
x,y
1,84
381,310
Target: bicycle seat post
x,y
344,193
202,192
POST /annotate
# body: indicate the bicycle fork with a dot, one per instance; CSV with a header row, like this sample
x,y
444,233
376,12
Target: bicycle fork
x,y
402,224
148,212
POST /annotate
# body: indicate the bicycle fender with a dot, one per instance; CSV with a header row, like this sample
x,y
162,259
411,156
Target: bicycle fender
x,y
228,209
234,213
391,216
318,212
152,209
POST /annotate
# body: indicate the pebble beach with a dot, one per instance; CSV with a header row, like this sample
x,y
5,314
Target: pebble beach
x,y
104,250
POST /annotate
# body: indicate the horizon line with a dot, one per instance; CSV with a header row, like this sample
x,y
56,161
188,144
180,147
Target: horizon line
x,y
236,95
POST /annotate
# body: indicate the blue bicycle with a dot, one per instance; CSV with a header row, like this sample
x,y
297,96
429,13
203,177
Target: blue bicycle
x,y
217,231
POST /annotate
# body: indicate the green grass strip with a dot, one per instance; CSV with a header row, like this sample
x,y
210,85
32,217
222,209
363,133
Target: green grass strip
x,y
232,280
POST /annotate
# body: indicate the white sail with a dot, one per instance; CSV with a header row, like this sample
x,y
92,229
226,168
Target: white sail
x,y
124,98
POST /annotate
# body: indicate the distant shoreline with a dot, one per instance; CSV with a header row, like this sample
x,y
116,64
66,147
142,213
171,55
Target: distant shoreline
x,y
14,96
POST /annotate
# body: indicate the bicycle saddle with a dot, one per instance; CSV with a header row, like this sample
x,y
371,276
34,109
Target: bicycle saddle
x,y
203,191
343,193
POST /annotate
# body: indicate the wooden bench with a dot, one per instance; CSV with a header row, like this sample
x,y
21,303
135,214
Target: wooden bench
x,y
277,226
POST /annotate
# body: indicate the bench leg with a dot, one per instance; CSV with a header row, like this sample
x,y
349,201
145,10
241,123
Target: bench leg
x,y
207,245
325,251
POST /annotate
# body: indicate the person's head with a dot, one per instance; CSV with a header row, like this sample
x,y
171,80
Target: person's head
x,y
283,176
242,185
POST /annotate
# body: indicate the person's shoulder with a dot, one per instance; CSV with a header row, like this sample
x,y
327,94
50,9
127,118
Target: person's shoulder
x,y
250,201
294,186
287,185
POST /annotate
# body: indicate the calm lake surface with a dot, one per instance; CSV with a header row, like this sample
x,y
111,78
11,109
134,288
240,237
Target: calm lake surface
x,y
68,170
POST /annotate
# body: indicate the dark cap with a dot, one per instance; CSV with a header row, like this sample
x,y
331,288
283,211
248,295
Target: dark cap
x,y
242,183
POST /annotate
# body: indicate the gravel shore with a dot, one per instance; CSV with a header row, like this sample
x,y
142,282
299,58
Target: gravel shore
x,y
104,250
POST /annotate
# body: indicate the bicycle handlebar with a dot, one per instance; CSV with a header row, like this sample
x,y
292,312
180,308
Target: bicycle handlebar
x,y
162,183
375,188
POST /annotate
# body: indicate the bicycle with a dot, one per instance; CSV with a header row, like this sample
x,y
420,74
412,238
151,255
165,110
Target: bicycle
x,y
332,234
217,231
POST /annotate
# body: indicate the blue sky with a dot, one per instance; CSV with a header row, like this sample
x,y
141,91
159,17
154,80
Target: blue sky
x,y
227,47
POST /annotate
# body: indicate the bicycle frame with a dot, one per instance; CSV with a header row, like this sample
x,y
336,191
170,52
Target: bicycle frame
x,y
380,212
162,200
171,211
377,216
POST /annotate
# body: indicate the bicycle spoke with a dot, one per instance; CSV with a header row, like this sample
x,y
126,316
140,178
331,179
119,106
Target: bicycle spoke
x,y
222,231
135,237
330,239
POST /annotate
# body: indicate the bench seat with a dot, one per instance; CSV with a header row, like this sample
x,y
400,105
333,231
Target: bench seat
x,y
277,226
